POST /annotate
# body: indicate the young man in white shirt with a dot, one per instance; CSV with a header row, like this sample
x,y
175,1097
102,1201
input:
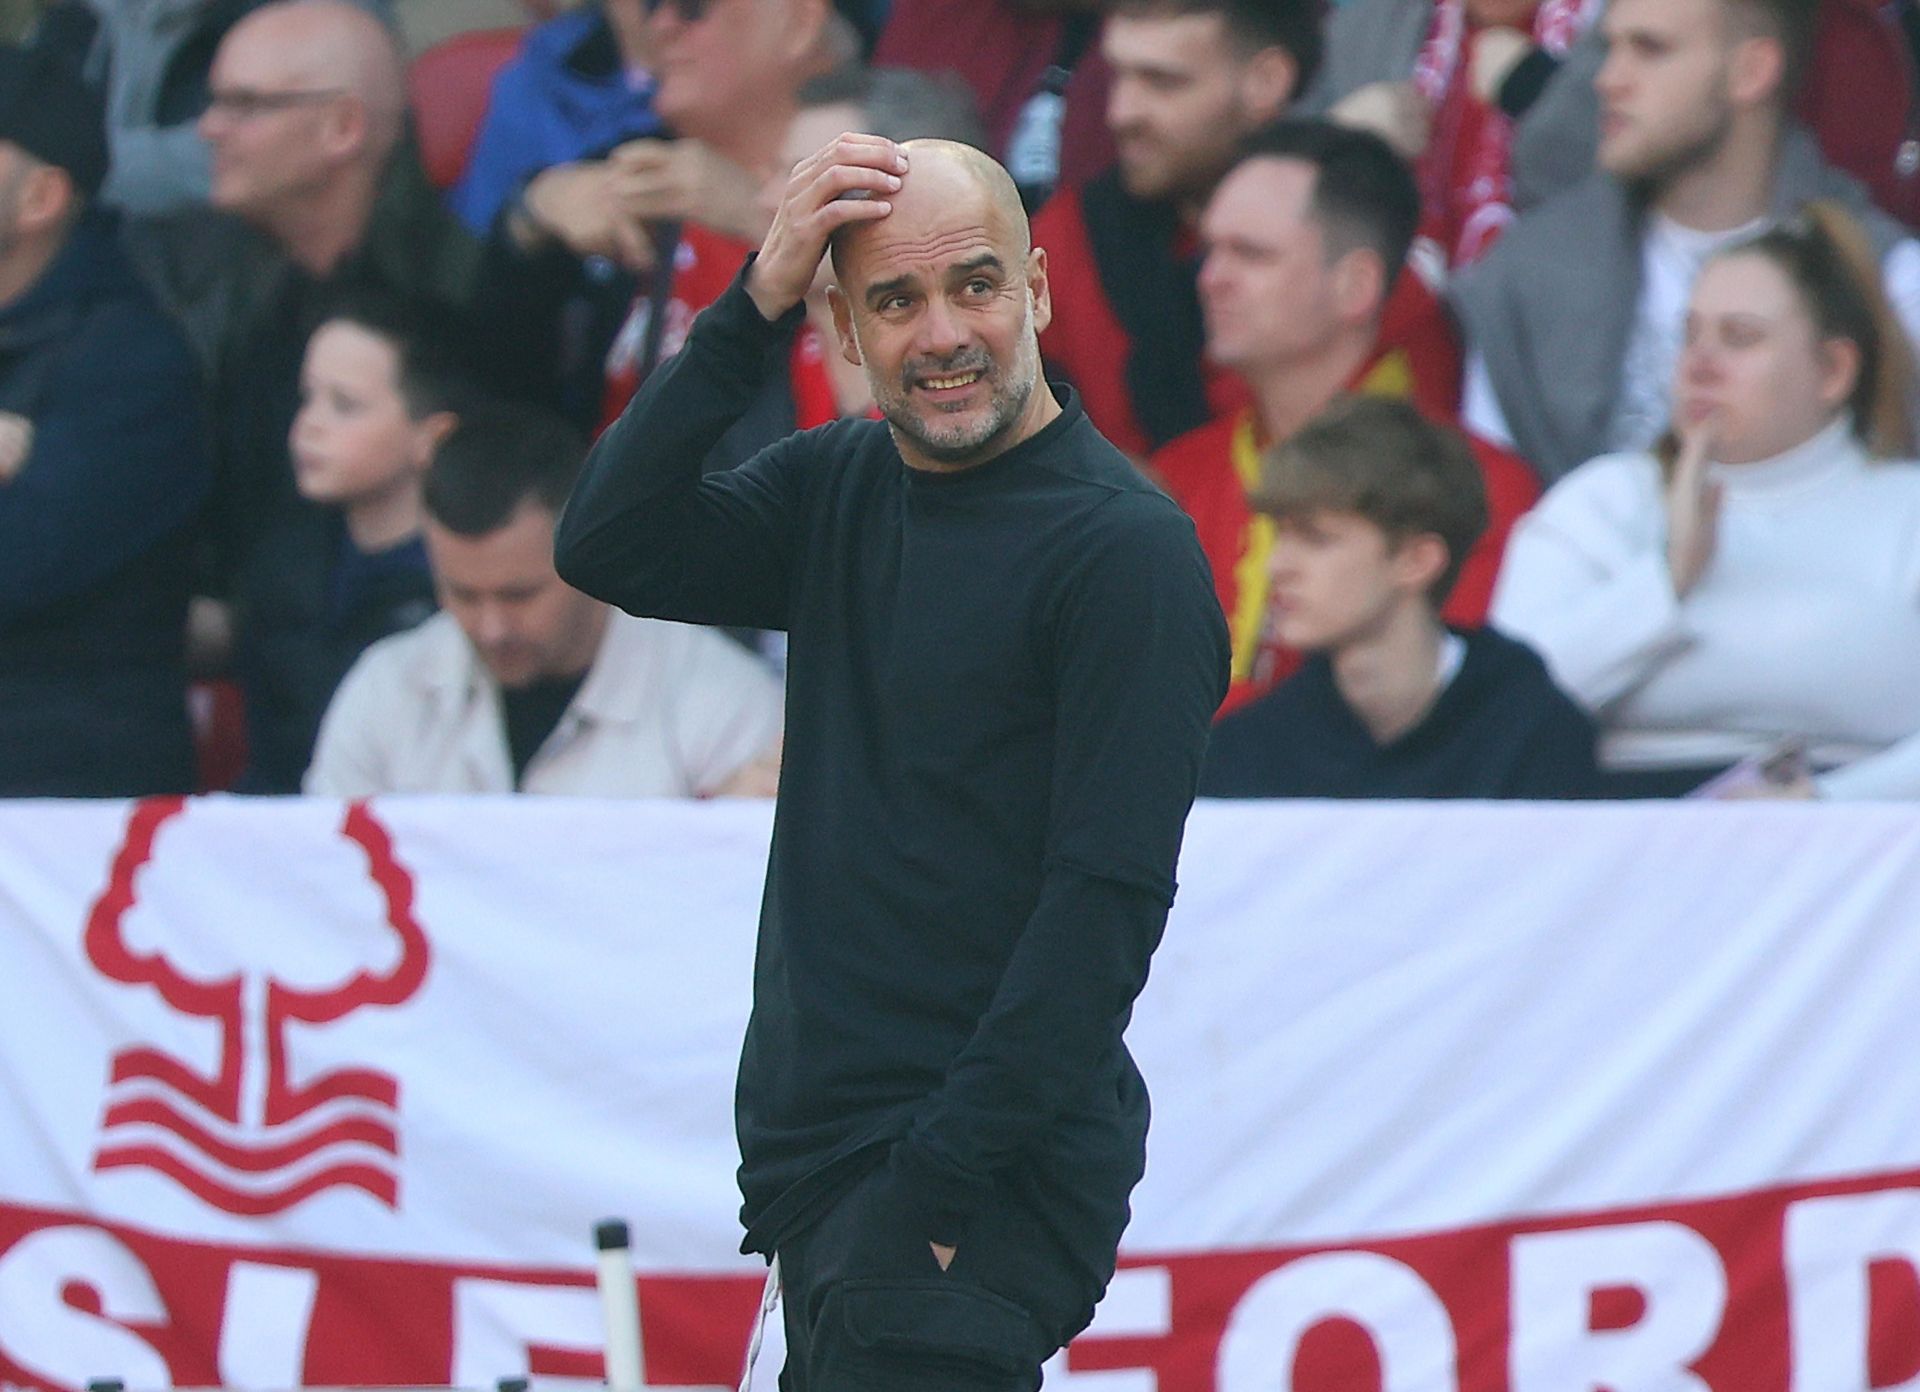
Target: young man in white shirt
x,y
523,684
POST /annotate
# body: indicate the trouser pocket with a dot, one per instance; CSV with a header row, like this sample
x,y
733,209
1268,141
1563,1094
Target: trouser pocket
x,y
934,1334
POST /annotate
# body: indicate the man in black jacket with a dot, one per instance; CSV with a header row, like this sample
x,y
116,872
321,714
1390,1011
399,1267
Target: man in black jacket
x,y
317,195
103,468
1005,653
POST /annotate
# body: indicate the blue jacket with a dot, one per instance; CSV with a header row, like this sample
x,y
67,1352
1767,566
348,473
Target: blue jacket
x,y
95,531
564,97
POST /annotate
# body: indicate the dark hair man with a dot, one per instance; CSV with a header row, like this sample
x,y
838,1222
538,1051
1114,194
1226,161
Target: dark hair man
x,y
523,684
1004,656
1190,77
103,467
1304,236
1375,510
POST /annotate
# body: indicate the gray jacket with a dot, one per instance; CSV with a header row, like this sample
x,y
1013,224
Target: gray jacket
x,y
1551,308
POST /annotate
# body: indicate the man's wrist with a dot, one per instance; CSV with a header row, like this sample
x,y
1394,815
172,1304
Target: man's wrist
x,y
772,306
529,231
1523,83
942,1207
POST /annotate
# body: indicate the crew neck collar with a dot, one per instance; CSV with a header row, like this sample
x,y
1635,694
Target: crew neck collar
x,y
1008,460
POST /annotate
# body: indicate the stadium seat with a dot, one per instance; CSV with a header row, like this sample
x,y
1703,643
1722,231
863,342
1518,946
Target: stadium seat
x,y
448,85
219,716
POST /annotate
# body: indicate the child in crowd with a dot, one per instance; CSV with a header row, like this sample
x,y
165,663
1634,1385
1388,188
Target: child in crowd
x,y
365,433
1374,509
377,395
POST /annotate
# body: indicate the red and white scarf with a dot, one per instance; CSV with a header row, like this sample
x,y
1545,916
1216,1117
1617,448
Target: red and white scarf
x,y
1465,169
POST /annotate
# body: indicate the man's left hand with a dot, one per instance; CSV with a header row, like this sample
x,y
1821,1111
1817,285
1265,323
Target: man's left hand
x,y
1394,111
687,181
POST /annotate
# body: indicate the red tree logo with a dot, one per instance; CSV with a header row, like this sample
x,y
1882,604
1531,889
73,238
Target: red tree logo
x,y
249,1139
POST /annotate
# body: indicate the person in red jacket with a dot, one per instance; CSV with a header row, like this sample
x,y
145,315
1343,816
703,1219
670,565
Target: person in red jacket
x,y
1303,237
1189,78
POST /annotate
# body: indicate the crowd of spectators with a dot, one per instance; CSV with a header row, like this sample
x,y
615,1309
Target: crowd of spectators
x,y
1537,375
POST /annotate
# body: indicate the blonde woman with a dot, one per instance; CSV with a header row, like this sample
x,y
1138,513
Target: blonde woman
x,y
1752,587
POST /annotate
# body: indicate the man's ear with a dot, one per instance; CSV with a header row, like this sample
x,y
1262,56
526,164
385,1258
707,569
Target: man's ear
x,y
429,433
1359,285
344,127
1419,560
803,28
843,324
1756,70
1267,85
47,197
1039,290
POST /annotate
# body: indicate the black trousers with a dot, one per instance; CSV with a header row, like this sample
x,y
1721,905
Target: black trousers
x,y
868,1309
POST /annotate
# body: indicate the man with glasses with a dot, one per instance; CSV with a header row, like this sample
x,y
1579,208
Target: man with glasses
x,y
149,63
315,192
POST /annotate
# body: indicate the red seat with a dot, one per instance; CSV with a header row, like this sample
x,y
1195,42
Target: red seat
x,y
219,716
448,86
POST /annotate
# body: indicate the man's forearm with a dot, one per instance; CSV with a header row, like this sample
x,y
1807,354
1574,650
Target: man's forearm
x,y
1055,1018
631,513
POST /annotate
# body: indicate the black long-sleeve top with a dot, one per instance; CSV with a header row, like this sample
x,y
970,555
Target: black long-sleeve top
x,y
998,694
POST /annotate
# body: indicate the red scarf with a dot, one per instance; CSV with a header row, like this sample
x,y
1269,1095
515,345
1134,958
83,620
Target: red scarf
x,y
1465,179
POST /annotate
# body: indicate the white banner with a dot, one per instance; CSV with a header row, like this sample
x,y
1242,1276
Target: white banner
x,y
1501,1097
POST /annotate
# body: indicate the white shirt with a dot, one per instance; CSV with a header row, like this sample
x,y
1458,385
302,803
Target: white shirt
x,y
1670,260
666,710
1671,256
1805,623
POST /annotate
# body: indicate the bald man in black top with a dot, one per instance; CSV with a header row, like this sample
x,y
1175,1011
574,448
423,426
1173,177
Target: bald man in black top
x,y
1004,656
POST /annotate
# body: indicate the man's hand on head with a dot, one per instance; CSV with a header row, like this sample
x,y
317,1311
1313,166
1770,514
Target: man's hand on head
x,y
847,181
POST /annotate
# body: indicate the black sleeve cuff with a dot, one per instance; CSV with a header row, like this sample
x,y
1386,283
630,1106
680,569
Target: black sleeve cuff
x,y
1529,78
736,315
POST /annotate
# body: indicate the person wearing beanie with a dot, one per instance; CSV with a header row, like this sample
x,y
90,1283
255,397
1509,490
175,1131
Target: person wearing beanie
x,y
103,469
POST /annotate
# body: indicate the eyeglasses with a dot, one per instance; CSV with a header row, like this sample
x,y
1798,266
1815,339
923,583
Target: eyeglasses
x,y
243,103
690,11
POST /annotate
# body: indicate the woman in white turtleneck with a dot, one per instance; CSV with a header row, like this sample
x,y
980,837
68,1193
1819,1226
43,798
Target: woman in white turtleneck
x,y
1756,581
